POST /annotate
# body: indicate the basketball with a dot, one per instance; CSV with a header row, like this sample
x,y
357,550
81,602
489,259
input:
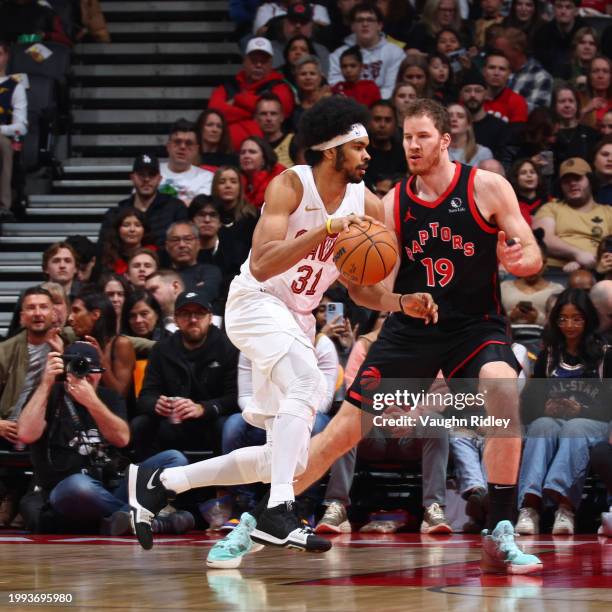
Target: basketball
x,y
365,254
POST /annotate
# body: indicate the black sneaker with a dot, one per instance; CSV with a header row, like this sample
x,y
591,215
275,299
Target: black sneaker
x,y
280,526
147,496
476,505
177,522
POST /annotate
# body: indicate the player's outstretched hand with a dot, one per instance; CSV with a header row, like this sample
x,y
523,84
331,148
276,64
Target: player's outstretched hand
x,y
420,306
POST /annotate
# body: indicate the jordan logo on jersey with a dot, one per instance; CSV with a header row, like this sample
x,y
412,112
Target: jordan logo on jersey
x,y
409,216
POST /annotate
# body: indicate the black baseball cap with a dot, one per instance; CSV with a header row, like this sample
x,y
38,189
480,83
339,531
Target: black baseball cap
x,y
146,161
300,12
192,297
86,351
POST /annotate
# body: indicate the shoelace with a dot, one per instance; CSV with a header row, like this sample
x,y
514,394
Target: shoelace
x,y
232,538
147,516
306,531
435,513
509,545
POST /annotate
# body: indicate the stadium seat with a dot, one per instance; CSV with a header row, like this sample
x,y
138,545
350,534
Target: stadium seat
x,y
42,109
54,67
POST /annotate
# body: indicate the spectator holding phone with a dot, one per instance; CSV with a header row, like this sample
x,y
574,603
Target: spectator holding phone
x,y
330,320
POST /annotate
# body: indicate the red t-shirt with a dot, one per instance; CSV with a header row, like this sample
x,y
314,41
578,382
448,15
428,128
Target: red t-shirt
x,y
363,91
508,106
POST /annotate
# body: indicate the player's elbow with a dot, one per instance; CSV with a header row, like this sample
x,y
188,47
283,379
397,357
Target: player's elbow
x,y
258,271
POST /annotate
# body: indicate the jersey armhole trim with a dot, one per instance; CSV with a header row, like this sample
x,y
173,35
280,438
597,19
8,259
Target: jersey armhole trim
x,y
396,213
485,226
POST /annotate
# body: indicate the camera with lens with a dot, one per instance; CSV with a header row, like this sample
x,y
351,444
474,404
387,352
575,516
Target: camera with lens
x,y
77,365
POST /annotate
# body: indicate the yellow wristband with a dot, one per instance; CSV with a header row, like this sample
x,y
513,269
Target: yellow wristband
x,y
328,226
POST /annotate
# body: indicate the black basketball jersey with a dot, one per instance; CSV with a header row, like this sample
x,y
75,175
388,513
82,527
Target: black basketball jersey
x,y
447,249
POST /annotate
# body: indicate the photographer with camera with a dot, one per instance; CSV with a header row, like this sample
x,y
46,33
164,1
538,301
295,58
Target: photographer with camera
x,y
75,428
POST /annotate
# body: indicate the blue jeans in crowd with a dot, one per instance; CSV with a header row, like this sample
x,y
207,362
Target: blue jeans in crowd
x,y
237,433
468,455
82,498
556,457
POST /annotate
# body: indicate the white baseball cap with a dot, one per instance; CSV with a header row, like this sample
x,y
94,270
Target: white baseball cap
x,y
259,43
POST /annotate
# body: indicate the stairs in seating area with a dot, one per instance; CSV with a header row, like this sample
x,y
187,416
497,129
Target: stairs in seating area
x,y
165,58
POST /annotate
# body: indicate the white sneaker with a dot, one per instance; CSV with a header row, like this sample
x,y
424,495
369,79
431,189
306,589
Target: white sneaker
x,y
334,520
606,524
564,521
434,520
528,521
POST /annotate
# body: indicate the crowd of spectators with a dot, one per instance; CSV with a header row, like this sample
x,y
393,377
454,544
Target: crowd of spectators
x,y
529,92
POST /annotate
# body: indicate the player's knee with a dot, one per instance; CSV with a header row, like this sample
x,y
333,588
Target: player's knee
x,y
305,394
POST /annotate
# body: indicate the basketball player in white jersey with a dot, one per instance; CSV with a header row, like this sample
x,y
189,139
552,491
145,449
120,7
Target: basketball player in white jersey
x,y
268,317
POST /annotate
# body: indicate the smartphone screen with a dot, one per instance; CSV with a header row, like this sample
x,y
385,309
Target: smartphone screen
x,y
333,310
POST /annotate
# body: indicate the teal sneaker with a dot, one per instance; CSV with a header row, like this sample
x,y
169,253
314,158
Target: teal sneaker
x,y
228,552
501,555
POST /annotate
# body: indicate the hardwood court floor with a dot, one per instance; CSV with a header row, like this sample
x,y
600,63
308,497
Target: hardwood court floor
x,y
377,573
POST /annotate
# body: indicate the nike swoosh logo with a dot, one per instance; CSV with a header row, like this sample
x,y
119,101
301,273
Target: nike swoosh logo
x,y
311,209
150,483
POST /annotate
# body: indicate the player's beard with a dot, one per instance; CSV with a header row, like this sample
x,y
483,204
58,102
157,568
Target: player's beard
x,y
350,176
427,163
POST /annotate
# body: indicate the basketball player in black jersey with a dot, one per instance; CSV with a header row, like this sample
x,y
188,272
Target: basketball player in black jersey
x,y
453,224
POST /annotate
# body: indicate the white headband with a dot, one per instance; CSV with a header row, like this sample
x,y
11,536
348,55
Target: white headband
x,y
356,131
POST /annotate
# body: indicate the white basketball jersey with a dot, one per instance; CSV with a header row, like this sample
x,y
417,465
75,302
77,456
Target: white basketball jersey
x,y
302,286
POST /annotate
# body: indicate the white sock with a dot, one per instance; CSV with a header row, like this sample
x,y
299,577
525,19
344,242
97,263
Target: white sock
x,y
242,466
291,437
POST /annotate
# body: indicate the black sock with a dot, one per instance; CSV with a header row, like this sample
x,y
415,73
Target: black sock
x,y
501,504
261,506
